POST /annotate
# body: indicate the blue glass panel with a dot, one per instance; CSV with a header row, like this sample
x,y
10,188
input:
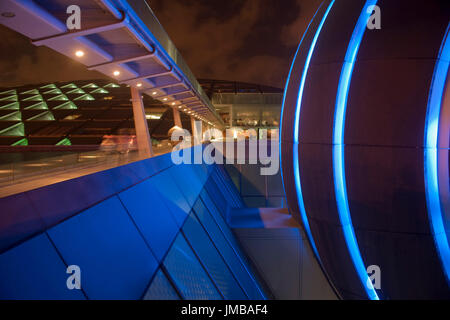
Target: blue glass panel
x,y
229,253
228,182
188,274
220,221
217,196
172,195
33,270
152,216
188,181
224,187
115,262
213,262
161,289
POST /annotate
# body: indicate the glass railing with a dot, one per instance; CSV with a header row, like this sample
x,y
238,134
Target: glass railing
x,y
70,165
18,172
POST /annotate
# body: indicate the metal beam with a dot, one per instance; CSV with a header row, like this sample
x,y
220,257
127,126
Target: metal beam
x,y
176,93
169,85
80,33
120,61
153,75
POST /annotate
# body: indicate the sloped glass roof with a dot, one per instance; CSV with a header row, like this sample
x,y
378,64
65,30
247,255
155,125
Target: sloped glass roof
x,y
66,105
36,97
37,106
85,97
21,142
11,106
99,90
61,97
48,86
32,91
13,116
46,115
17,129
9,98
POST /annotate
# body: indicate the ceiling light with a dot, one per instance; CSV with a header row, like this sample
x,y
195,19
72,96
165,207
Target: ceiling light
x,y
173,103
139,84
79,53
154,93
165,99
8,14
116,73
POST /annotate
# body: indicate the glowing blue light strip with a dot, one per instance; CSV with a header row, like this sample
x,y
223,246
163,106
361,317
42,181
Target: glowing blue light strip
x,y
305,73
298,186
435,213
338,150
305,221
289,79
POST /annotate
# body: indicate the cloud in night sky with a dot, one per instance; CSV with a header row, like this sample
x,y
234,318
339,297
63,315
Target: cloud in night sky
x,y
242,40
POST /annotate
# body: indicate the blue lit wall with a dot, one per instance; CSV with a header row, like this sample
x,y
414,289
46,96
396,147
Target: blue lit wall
x,y
359,170
147,230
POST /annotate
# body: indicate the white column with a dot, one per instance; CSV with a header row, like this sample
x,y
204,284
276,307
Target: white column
x,y
196,132
231,116
140,123
177,118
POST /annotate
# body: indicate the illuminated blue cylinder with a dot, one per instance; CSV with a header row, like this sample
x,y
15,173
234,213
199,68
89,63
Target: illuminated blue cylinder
x,y
365,146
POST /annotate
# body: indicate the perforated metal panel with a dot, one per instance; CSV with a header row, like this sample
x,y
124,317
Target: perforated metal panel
x,y
212,260
161,289
188,274
228,252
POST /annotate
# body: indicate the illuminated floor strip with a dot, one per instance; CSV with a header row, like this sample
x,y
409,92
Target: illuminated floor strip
x,y
298,186
435,213
338,150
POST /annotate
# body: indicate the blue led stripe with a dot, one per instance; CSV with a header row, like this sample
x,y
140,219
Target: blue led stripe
x,y
298,186
305,73
305,220
291,68
338,150
435,213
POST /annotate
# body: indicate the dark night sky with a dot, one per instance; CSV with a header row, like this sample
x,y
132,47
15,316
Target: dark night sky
x,y
243,40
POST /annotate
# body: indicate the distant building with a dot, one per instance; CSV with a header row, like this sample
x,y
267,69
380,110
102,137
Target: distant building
x,y
82,112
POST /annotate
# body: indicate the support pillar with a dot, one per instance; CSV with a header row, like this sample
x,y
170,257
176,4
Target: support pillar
x,y
140,123
196,131
231,116
177,118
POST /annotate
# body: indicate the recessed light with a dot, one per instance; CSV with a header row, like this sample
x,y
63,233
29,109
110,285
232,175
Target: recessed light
x,y
154,93
165,99
173,103
139,85
116,73
79,53
8,14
